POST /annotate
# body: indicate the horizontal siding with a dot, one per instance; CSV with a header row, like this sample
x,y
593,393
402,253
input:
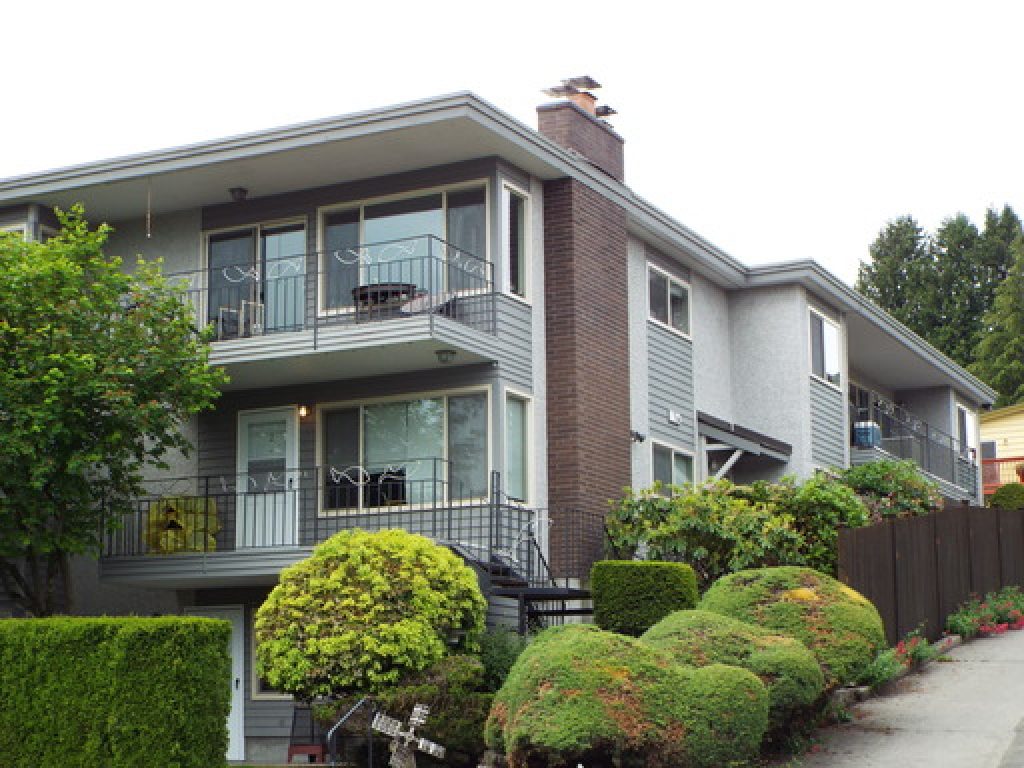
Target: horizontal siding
x,y
514,341
503,612
1007,433
828,427
670,386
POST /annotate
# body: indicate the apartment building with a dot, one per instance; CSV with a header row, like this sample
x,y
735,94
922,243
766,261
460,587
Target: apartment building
x,y
436,317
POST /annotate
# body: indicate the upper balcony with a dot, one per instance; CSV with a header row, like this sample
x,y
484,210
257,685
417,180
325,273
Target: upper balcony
x,y
325,310
882,429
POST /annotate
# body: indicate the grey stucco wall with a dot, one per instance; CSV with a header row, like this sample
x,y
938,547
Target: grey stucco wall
x,y
712,359
934,405
177,239
771,368
538,452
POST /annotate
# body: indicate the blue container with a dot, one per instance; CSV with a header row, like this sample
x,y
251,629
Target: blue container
x,y
867,434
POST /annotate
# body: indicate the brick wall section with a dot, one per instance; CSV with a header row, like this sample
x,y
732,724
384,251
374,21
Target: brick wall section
x,y
572,127
587,326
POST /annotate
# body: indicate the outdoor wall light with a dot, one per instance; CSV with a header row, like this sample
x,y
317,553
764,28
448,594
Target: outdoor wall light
x,y
238,194
637,437
303,411
445,356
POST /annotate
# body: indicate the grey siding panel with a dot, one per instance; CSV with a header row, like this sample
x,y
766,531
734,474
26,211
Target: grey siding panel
x,y
828,428
670,386
513,344
502,612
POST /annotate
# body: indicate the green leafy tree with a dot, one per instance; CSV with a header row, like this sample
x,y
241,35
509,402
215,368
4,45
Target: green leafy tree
x,y
98,370
1001,351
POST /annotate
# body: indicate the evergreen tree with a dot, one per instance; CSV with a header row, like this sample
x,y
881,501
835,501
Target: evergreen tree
x,y
1001,350
958,303
900,276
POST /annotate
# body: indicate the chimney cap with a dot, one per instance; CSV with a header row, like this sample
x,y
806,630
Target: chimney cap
x,y
583,81
573,85
605,111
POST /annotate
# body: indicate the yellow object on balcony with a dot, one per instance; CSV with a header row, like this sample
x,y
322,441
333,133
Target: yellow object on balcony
x,y
182,524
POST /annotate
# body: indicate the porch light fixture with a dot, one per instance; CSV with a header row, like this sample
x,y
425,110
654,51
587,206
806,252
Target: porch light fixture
x,y
238,194
303,411
445,356
637,437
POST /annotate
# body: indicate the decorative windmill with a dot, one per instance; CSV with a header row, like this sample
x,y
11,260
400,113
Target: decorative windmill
x,y
405,742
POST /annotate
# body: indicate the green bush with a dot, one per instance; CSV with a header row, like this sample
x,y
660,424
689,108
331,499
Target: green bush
x,y
118,693
818,508
629,596
711,527
364,610
453,688
893,489
1009,496
840,626
499,649
788,670
579,694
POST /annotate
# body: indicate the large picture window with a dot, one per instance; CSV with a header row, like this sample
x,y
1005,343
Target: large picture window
x,y
825,362
668,300
427,244
418,451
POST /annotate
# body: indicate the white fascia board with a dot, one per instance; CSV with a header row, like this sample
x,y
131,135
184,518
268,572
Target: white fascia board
x,y
812,275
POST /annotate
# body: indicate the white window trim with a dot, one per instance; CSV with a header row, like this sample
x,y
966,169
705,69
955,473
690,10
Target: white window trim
x,y
323,211
527,400
445,393
810,348
507,189
682,451
651,267
21,227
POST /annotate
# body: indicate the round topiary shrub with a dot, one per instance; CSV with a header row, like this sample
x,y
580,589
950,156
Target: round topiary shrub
x,y
578,694
788,670
364,610
1009,496
840,626
629,595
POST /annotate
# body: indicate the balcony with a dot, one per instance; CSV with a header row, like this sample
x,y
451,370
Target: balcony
x,y
242,529
998,472
415,291
881,429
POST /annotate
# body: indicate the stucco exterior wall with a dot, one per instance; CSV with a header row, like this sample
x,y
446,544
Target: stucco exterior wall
x,y
712,358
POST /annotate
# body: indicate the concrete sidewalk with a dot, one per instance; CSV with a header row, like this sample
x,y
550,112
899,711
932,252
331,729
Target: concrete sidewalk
x,y
965,712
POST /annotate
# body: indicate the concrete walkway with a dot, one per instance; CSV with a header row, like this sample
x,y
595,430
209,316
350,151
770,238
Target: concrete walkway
x,y
967,711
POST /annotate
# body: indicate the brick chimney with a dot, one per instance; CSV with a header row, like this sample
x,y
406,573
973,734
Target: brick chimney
x,y
576,122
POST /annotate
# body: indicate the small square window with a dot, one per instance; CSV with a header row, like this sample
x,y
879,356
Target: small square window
x,y
668,301
670,467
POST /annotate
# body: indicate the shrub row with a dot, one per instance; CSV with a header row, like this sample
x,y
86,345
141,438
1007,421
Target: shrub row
x,y
116,692
630,596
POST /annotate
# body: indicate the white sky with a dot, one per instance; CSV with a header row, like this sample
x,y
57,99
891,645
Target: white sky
x,y
778,130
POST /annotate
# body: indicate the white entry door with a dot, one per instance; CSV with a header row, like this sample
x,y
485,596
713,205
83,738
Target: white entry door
x,y
236,718
267,494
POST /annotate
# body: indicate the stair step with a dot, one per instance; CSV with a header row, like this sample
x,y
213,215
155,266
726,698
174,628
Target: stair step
x,y
560,611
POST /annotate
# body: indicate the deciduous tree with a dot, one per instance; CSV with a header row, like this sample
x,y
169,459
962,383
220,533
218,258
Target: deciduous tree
x,y
98,370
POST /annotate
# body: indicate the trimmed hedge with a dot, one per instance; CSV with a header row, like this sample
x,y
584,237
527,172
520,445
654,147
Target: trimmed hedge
x,y
1009,496
789,671
630,596
578,694
364,610
114,692
839,625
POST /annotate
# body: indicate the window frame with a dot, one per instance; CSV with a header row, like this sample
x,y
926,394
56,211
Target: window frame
x,y
360,204
21,227
673,452
321,408
826,321
527,401
509,189
670,279
256,229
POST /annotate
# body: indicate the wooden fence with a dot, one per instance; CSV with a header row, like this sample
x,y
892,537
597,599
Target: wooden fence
x,y
917,571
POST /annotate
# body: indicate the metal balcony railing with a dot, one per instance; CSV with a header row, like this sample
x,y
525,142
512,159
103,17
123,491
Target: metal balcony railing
x,y
365,284
878,423
292,508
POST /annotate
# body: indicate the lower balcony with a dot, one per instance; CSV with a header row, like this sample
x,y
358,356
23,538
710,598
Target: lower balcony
x,y
883,430
999,472
242,529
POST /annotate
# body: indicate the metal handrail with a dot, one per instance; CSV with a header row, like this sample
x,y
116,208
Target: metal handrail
x,y
331,733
